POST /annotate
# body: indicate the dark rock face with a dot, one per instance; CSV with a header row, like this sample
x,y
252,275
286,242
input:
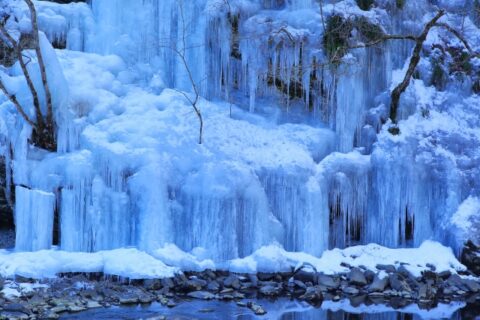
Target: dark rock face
x,y
471,257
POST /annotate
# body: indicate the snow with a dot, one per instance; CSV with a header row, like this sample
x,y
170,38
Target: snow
x,y
128,262
169,260
466,219
274,258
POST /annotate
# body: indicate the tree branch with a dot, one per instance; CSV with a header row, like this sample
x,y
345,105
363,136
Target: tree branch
x,y
414,60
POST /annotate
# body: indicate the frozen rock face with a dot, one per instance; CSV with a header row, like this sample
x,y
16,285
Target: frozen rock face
x,y
294,151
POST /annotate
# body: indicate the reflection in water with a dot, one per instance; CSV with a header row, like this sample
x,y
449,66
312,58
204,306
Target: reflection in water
x,y
282,309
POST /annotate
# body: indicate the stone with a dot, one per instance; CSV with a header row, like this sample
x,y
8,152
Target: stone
x,y
398,284
93,305
351,291
300,284
470,257
201,295
13,315
471,285
152,284
423,293
76,308
128,298
232,281
356,277
445,274
195,284
213,286
168,283
369,275
378,285
312,294
305,276
270,290
253,279
386,267
256,308
50,315
327,281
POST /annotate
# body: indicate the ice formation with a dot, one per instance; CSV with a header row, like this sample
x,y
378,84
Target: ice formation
x,y
294,153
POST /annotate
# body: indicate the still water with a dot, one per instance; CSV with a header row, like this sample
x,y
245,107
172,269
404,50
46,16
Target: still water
x,y
283,309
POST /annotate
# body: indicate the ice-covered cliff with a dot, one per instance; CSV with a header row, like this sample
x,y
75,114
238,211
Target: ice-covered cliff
x,y
294,150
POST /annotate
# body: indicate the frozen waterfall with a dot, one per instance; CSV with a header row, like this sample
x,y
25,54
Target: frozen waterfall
x,y
129,173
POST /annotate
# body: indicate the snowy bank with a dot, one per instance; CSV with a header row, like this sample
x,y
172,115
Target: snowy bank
x,y
166,262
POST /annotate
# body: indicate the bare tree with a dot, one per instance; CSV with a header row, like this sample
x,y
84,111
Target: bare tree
x,y
181,54
43,127
340,33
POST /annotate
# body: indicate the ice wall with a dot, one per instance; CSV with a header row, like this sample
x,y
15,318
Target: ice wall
x,y
129,173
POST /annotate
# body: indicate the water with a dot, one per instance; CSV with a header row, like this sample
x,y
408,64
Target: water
x,y
282,309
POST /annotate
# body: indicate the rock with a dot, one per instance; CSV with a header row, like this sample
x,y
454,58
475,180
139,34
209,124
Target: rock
x,y
13,315
213,286
356,277
227,290
253,279
471,257
270,290
327,281
351,291
404,272
232,281
423,293
431,267
256,308
50,315
398,284
59,309
378,285
471,285
305,276
300,284
386,267
168,283
152,284
263,276
16,307
76,308
312,294
93,305
445,274
128,298
195,284
201,295
369,275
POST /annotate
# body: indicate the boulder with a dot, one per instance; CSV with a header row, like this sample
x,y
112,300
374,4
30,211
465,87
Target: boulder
x,y
386,267
378,285
201,295
357,277
328,281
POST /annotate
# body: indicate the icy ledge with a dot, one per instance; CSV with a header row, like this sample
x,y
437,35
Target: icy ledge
x,y
166,262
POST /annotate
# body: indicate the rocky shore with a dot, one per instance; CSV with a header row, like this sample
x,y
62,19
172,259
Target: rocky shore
x,y
394,286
